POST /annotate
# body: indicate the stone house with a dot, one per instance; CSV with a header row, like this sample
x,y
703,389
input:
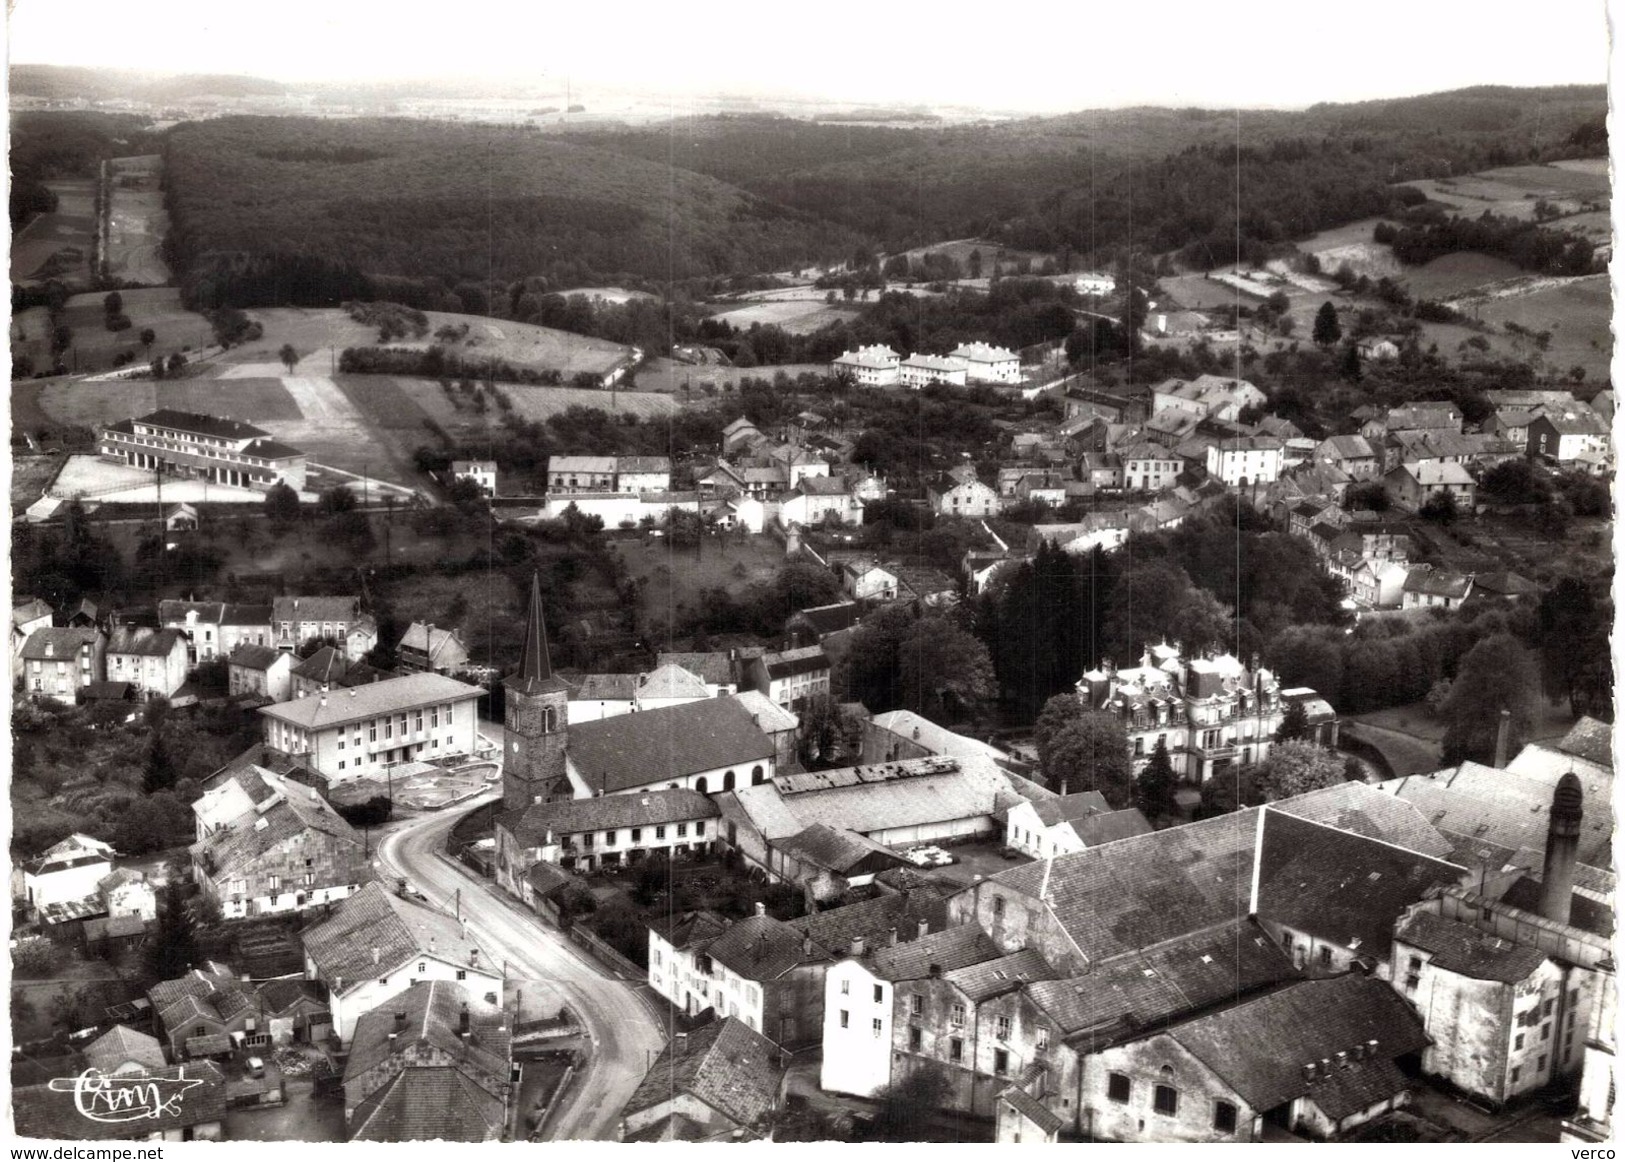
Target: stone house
x,y
260,670
608,831
425,648
720,1082
59,664
153,661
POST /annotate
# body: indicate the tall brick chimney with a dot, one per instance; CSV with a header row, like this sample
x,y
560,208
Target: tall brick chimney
x,y
1503,730
1562,848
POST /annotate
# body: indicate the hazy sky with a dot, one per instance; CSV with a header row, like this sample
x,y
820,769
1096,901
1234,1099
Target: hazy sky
x,y
1021,54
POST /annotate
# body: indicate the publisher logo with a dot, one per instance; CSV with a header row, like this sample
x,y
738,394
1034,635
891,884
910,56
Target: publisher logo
x,y
102,1097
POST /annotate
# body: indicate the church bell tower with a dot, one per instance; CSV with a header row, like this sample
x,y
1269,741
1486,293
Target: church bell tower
x,y
536,716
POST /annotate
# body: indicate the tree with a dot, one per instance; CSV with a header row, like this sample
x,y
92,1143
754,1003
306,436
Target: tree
x,y
1091,753
974,263
827,733
289,356
801,585
148,337
1573,622
869,671
336,500
1294,723
172,949
1440,508
1349,368
1295,768
158,768
1154,787
902,1103
1496,674
1058,712
281,503
113,304
944,672
1327,329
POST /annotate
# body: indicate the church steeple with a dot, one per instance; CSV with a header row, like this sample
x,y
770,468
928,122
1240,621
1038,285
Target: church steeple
x,y
535,666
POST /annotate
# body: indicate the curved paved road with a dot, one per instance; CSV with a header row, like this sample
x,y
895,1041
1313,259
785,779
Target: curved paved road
x,y
625,1035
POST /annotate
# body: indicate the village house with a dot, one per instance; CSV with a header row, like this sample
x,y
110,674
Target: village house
x,y
873,366
291,851
434,1063
1377,349
820,500
127,892
826,863
1068,823
797,463
153,661
1104,470
244,625
985,363
359,730
740,433
27,615
919,370
817,625
200,1011
327,669
481,473
1245,460
790,677
425,648
123,1050
1420,415
903,734
296,621
1207,397
981,566
1375,584
765,972
201,447
59,664
864,580
720,1082
1412,486
720,670
1571,436
377,945
609,831
1428,587
66,871
1097,530
967,498
260,671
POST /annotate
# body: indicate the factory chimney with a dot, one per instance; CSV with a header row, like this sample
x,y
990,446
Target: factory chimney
x,y
1562,846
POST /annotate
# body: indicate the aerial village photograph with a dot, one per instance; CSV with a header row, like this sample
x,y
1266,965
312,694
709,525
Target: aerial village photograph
x,y
868,574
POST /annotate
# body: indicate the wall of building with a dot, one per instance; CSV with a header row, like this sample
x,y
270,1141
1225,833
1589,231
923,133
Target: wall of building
x,y
348,1006
858,1054
415,1054
1155,1061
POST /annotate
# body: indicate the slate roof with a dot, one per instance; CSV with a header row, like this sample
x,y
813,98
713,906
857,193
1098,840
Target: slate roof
x,y
199,424
666,743
545,879
1032,1109
280,996
357,703
132,639
1591,740
604,688
428,640
1431,582
1584,913
827,619
714,667
726,1065
1072,807
606,812
1259,1047
836,850
762,948
373,919
671,681
768,715
949,949
252,657
1142,990
30,609
690,929
42,1112
992,978
427,1103
121,1045
58,644
1340,887
432,1010
1463,949
1146,889
1112,826
300,811
874,920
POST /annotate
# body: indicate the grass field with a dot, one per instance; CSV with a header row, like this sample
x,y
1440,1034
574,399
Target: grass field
x,y
137,221
1454,274
68,232
256,401
29,477
667,375
1512,191
1578,313
796,317
94,346
1351,245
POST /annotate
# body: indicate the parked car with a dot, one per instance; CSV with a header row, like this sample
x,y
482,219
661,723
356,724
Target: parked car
x,y
256,1067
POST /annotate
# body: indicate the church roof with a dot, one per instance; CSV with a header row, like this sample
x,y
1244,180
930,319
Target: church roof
x,y
535,674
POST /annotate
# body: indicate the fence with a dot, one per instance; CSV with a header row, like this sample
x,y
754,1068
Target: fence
x,y
607,956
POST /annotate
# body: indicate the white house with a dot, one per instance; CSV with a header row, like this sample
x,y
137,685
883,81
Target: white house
x,y
127,892
864,580
818,499
378,945
359,730
1070,823
1094,284
707,746
260,670
57,663
483,473
874,366
988,364
1378,584
919,370
970,498
69,870
151,660
1246,460
1149,467
609,831
790,677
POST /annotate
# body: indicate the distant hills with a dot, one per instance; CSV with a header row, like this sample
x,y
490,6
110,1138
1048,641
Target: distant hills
x,y
62,83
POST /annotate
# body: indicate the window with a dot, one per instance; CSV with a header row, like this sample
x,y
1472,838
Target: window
x,y
462,974
422,966
1119,1087
660,831
656,956
1165,1100
1574,997
956,1016
844,1018
1517,1042
699,828
916,1005
998,907
1541,1064
915,1038
846,988
1515,1075
1001,1061
1546,1031
372,731
682,830
880,994
434,717
275,885
956,1049
420,720
874,1028
1001,1028
637,834
1043,1040
1546,1008
609,839
1325,954
1224,1117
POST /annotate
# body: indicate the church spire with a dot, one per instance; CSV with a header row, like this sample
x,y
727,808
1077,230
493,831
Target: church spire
x,y
535,666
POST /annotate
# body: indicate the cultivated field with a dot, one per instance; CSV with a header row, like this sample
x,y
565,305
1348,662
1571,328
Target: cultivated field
x,y
531,403
1450,275
609,294
1351,245
57,245
795,317
1512,191
256,401
674,579
1578,313
960,251
94,346
688,380
137,221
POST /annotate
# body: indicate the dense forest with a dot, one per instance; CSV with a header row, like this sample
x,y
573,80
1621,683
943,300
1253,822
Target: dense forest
x,y
296,210
47,145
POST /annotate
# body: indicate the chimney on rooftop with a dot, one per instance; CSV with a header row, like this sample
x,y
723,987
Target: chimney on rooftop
x,y
891,937
1502,730
400,1020
1309,1071
462,1020
761,908
933,971
922,929
375,954
857,946
806,944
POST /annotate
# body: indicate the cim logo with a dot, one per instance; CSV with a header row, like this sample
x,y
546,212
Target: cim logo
x,y
101,1097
